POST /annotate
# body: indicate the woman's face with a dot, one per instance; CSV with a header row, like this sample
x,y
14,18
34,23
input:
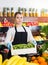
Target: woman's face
x,y
19,19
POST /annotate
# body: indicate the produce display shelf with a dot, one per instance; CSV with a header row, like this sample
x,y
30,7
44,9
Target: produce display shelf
x,y
27,19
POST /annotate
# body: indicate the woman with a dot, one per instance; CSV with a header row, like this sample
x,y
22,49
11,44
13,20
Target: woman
x,y
19,33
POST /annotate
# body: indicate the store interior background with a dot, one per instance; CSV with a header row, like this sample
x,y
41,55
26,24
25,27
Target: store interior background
x,y
37,4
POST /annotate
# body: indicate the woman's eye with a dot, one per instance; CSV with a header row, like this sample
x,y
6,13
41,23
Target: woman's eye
x,y
21,17
17,17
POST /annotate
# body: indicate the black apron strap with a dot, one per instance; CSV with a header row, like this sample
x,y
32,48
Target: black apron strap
x,y
23,28
15,29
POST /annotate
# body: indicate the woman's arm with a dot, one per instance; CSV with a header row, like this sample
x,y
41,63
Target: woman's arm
x,y
9,37
30,37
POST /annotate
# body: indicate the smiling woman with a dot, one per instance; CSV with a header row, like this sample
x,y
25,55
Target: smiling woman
x,y
18,18
19,33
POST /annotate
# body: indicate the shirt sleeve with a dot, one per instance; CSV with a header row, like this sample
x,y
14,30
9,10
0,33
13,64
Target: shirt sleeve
x,y
9,36
30,37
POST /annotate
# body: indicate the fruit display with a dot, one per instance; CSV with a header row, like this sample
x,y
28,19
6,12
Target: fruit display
x,y
28,23
44,47
7,23
23,46
5,62
24,23
39,59
0,59
38,38
30,19
45,55
1,24
43,50
42,34
43,24
16,60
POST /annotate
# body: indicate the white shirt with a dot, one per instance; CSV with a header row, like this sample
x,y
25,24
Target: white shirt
x,y
11,34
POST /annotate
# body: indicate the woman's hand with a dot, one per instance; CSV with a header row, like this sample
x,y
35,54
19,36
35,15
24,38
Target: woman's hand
x,y
9,46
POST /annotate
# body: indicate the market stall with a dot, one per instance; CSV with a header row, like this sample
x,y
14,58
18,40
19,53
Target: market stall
x,y
35,53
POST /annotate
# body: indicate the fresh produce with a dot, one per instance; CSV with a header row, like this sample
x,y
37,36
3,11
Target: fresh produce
x,y
7,23
43,34
33,58
1,24
28,63
43,23
12,59
45,55
16,60
44,29
43,47
28,23
24,23
38,38
21,61
39,60
5,62
0,59
23,46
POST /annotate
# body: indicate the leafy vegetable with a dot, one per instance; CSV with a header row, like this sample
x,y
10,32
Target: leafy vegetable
x,y
23,46
43,48
44,29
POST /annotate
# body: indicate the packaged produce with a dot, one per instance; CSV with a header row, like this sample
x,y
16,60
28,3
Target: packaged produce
x,y
30,12
5,12
36,13
8,12
23,49
12,12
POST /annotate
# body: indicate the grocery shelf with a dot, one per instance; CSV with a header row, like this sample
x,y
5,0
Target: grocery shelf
x,y
10,19
39,19
28,19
